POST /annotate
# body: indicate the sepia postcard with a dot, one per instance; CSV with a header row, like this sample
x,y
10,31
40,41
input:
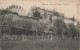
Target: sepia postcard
x,y
39,25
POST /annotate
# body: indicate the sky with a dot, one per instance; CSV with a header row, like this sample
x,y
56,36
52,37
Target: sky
x,y
69,9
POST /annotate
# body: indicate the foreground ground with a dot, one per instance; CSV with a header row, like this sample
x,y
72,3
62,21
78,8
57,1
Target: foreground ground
x,y
40,45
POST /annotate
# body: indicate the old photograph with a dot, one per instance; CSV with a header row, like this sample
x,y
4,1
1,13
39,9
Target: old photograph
x,y
39,25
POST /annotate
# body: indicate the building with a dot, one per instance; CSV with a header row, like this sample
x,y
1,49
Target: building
x,y
17,9
39,19
47,15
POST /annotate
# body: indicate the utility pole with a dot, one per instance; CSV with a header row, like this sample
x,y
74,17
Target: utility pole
x,y
22,37
63,33
51,36
36,34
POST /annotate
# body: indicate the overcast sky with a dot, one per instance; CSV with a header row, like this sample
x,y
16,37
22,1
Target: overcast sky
x,y
69,9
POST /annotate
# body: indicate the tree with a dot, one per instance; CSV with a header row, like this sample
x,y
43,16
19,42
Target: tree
x,y
60,27
72,31
37,14
27,25
39,27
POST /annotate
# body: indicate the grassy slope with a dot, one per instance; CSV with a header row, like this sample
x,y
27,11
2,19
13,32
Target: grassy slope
x,y
40,45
